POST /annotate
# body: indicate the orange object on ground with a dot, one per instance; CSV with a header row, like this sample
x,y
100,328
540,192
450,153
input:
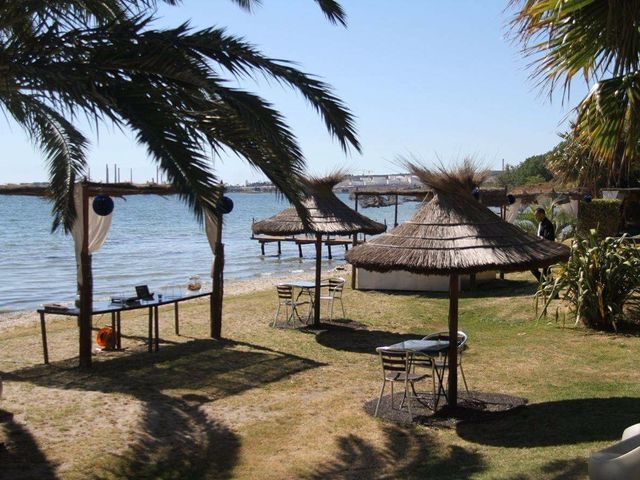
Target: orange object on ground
x,y
106,338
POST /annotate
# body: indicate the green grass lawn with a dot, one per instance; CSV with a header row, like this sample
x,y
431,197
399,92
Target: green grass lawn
x,y
283,403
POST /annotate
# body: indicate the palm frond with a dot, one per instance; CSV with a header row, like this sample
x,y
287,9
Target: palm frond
x,y
63,145
331,9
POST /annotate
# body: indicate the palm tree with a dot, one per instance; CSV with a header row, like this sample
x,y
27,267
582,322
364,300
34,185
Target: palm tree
x,y
599,41
60,59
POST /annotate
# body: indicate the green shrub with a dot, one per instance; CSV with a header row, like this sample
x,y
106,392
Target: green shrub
x,y
598,279
601,215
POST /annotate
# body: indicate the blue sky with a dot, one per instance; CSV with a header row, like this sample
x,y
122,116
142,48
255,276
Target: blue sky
x,y
425,78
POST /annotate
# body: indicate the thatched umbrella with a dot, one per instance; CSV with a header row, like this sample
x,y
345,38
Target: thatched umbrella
x,y
326,215
455,234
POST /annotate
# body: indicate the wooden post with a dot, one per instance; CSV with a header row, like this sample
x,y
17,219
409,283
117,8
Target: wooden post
x,y
150,332
86,288
355,195
279,248
353,268
329,249
156,329
300,250
262,248
395,213
217,287
43,331
176,319
452,394
316,301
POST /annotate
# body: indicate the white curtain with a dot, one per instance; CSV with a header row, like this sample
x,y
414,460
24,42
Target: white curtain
x,y
513,210
98,228
211,229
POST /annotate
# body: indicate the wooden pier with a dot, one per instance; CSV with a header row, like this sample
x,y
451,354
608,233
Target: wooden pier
x,y
302,240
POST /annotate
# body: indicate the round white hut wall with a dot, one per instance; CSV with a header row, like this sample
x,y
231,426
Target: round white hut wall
x,y
413,282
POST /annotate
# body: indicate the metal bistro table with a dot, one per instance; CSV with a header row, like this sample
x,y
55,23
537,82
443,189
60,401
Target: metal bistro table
x,y
115,309
306,288
431,348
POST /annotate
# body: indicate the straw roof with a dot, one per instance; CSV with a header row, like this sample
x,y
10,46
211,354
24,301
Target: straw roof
x,y
454,233
327,214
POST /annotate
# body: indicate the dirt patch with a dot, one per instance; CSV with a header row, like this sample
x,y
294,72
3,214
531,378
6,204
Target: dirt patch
x,y
472,407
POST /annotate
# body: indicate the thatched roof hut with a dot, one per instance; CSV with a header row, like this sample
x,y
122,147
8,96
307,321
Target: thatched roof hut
x,y
451,234
326,215
454,233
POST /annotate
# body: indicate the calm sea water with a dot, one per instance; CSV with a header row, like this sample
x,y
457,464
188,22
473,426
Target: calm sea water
x,y
153,240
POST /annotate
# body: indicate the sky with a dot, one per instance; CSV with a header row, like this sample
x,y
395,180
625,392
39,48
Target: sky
x,y
437,81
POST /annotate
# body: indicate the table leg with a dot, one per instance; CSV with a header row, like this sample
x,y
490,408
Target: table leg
x,y
43,330
176,317
312,306
114,330
156,325
150,346
118,332
441,379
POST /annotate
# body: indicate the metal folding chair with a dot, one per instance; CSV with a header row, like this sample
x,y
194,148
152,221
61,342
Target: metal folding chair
x,y
400,367
441,363
286,300
336,286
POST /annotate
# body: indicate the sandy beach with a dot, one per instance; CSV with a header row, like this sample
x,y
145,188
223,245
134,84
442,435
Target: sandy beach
x,y
10,320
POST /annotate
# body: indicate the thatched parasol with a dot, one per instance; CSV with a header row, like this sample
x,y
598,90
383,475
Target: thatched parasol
x,y
452,234
326,215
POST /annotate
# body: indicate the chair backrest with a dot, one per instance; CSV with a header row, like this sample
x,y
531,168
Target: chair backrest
x,y
393,360
336,285
462,338
285,292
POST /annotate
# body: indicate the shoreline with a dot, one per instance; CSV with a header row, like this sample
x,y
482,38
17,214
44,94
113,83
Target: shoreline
x,y
232,288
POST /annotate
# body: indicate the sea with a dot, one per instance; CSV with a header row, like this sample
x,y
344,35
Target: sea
x,y
153,240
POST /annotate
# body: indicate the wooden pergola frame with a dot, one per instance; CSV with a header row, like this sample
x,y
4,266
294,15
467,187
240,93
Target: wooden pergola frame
x,y
91,189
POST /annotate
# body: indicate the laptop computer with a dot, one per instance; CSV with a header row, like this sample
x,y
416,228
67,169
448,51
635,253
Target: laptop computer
x,y
143,292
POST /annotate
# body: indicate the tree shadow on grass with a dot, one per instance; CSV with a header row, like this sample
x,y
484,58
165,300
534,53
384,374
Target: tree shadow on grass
x,y
175,437
407,453
178,440
358,340
564,422
20,457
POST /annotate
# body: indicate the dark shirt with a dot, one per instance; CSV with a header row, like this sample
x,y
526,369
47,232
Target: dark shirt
x,y
546,230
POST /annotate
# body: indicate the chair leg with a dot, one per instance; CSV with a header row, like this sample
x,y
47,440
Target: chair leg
x,y
464,379
392,395
275,319
408,397
433,385
384,383
330,310
344,315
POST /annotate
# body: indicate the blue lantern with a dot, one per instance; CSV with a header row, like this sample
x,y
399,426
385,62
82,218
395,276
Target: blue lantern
x,y
103,205
476,193
226,205
511,199
587,198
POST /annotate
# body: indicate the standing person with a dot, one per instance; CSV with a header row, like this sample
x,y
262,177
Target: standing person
x,y
547,231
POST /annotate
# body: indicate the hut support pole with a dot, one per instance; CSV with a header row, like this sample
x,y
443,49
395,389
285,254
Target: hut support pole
x,y
316,301
395,213
217,287
452,393
353,268
86,289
